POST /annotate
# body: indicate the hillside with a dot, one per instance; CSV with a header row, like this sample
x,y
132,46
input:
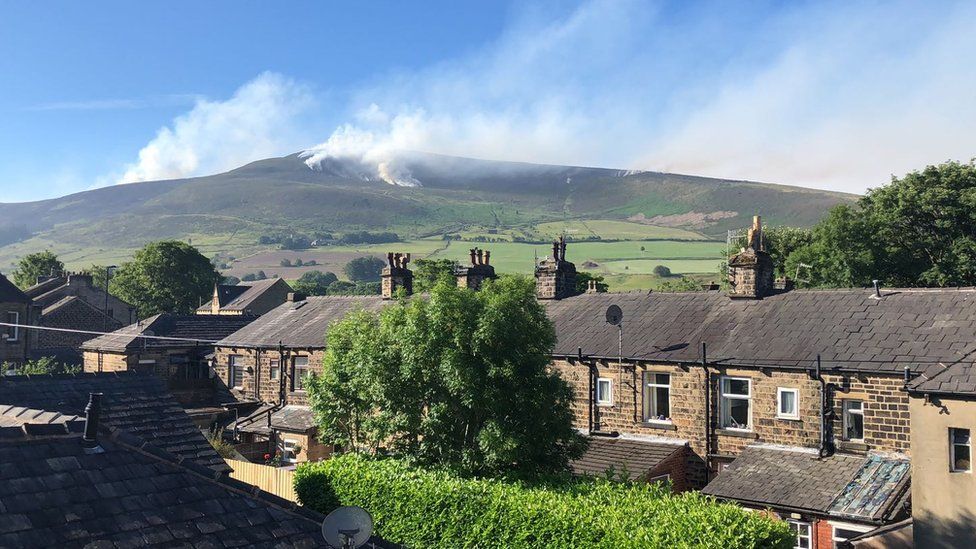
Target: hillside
x,y
227,213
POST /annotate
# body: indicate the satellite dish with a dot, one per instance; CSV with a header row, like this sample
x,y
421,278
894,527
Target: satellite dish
x,y
347,527
614,315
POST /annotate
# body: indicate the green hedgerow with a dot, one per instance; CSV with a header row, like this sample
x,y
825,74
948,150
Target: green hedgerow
x,y
424,508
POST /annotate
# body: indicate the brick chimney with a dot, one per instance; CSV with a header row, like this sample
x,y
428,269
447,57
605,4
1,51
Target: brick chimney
x,y
480,269
751,270
396,275
555,278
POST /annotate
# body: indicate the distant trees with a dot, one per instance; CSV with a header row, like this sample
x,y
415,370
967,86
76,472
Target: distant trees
x,y
285,262
661,271
364,269
919,230
165,276
35,265
314,283
458,380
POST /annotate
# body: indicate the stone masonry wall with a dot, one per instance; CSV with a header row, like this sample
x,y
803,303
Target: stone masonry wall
x,y
257,376
886,425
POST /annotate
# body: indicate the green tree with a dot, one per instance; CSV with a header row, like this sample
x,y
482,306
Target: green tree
x,y
314,283
364,269
428,272
35,265
919,230
165,276
680,284
661,271
583,279
459,379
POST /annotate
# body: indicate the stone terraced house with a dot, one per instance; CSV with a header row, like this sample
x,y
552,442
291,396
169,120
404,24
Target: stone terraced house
x,y
792,401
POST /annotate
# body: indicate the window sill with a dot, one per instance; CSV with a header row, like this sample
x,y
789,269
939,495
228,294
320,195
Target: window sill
x,y
788,418
853,446
741,433
604,405
662,425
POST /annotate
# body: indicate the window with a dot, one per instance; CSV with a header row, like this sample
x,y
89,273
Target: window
x,y
274,369
657,397
853,420
804,534
736,397
604,391
301,368
845,532
787,403
660,478
12,332
960,451
289,451
235,371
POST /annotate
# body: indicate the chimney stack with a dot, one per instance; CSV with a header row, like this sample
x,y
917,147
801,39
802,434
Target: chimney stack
x,y
555,278
751,270
292,297
480,269
92,413
396,275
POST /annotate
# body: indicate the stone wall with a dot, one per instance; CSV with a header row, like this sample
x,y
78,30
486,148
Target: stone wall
x,y
74,315
258,384
886,424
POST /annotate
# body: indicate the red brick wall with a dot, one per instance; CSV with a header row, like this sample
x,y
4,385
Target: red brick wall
x,y
824,533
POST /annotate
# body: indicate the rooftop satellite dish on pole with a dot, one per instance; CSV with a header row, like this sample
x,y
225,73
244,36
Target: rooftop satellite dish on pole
x,y
347,527
614,315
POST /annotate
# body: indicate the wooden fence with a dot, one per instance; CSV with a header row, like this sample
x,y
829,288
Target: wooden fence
x,y
279,482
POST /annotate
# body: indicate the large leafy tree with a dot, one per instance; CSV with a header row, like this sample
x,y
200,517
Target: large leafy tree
x,y
457,379
34,265
919,230
428,272
364,269
165,276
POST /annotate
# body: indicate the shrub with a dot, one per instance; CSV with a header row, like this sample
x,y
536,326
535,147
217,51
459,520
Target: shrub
x,y
437,509
661,271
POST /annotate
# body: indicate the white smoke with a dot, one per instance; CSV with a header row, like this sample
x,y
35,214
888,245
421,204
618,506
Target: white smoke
x,y
258,121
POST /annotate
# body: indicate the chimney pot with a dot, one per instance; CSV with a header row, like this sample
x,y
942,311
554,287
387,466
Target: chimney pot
x,y
877,288
92,413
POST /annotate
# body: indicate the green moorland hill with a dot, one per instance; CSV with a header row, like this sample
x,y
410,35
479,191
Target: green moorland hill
x,y
514,206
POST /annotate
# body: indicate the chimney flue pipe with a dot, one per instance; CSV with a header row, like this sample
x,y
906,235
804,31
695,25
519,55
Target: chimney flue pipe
x,y
92,413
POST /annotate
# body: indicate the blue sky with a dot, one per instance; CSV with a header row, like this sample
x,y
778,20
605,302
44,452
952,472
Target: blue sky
x,y
831,95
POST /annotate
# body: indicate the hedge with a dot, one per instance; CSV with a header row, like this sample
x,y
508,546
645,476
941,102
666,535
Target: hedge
x,y
421,508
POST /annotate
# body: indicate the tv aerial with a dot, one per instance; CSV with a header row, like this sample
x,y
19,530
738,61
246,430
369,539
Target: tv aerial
x,y
347,527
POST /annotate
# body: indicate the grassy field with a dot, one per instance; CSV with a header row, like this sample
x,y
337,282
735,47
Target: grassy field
x,y
614,230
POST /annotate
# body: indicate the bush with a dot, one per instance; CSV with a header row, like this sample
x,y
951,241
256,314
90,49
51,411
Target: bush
x,y
436,509
662,271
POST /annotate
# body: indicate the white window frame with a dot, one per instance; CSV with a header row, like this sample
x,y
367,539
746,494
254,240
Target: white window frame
x,y
14,331
796,403
288,453
846,526
725,416
601,398
666,477
650,395
809,537
232,368
274,369
300,372
952,450
846,411
145,361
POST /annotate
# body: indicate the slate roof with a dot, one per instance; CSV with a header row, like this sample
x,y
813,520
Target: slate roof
x,y
10,293
133,494
850,328
958,379
633,457
239,297
137,403
291,418
300,324
204,329
861,488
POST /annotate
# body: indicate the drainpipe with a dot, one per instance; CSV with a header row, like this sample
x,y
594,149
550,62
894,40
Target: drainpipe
x,y
708,411
822,446
589,393
281,374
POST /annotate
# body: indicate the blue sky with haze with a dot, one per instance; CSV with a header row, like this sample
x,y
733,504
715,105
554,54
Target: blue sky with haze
x,y
830,95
